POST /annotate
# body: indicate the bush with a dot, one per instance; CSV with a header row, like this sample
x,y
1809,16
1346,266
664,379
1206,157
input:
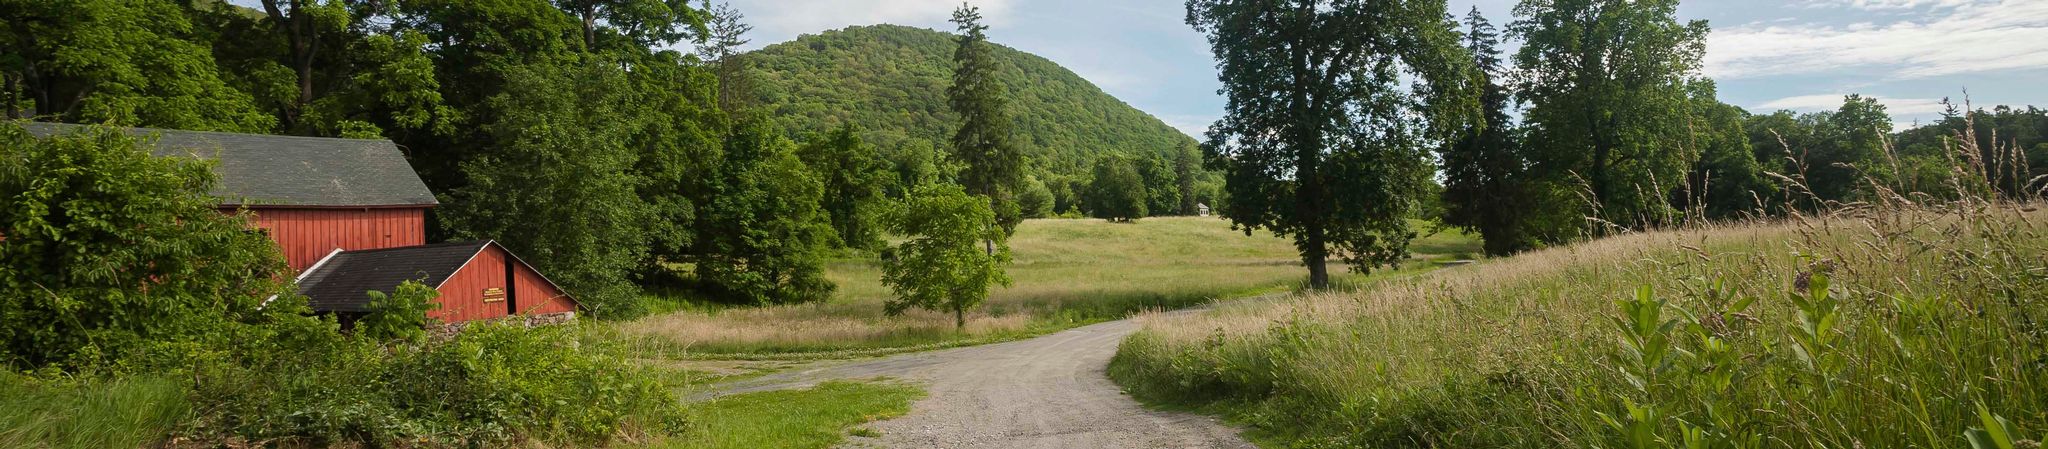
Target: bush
x,y
111,252
491,384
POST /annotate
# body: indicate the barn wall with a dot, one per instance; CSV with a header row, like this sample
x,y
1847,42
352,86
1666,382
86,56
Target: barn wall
x,y
306,235
536,296
462,296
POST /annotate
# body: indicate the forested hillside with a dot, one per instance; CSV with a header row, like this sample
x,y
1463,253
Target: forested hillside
x,y
891,80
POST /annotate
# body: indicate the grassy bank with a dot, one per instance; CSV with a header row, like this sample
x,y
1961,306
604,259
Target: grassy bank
x,y
1885,331
1066,273
795,419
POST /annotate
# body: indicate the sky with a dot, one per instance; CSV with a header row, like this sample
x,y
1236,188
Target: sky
x,y
1765,55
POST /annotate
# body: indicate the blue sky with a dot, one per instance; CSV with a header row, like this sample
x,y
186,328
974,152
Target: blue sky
x,y
1765,54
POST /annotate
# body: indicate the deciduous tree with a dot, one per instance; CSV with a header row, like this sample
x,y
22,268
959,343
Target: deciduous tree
x,y
1331,108
853,174
941,265
1117,192
1609,104
761,236
111,252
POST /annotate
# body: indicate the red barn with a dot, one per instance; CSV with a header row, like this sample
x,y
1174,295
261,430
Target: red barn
x,y
350,217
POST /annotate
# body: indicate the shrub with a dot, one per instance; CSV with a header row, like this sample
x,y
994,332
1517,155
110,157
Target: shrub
x,y
111,252
491,384
400,316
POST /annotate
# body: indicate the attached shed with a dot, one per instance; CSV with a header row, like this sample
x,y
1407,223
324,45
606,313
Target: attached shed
x,y
477,280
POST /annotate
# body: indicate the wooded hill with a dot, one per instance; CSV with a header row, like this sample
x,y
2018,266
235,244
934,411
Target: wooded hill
x,y
891,80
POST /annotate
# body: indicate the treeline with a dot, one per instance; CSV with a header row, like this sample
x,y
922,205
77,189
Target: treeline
x,y
1343,115
572,131
1610,144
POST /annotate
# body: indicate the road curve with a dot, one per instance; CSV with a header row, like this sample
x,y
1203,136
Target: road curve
x,y
1045,392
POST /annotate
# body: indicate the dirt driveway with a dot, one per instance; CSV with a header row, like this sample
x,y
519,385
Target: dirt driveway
x,y
1045,392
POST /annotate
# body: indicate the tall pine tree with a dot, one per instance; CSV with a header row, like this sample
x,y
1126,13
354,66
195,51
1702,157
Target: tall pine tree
x,y
1483,168
993,164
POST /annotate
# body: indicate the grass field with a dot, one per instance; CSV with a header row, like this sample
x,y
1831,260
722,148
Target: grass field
x,y
793,419
1892,330
1066,273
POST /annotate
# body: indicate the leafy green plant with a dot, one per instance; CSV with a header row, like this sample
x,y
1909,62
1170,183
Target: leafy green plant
x,y
111,252
954,254
400,316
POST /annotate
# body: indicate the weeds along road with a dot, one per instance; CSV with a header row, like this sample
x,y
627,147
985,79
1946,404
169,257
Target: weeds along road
x,y
1045,392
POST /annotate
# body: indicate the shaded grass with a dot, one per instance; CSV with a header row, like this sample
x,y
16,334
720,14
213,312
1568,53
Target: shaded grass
x,y
814,418
127,412
1066,273
1926,315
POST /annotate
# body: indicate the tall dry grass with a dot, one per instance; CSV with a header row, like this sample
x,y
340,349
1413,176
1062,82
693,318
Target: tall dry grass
x,y
1908,320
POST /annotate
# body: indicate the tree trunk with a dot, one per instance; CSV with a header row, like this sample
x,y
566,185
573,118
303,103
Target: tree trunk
x,y
1316,255
959,318
13,112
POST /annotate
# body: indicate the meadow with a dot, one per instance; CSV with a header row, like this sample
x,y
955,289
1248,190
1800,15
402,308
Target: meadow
x,y
1065,273
1898,328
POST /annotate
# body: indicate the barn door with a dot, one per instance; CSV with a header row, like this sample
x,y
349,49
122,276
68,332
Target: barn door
x,y
511,286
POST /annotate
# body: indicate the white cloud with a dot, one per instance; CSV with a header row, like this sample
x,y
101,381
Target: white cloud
x,y
1885,5
1828,102
1959,36
785,19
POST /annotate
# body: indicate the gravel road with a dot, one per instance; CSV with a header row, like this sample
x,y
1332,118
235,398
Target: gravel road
x,y
1045,392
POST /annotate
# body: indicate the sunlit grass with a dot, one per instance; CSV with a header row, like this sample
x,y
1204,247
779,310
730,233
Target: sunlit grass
x,y
1066,273
1927,315
794,419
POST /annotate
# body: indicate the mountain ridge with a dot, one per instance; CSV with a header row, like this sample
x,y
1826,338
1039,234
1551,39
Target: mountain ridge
x,y
891,80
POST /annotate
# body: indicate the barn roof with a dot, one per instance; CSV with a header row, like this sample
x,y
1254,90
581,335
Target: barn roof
x,y
266,170
341,283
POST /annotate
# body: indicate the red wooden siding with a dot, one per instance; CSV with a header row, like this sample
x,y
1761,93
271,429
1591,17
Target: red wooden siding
x,y
306,235
462,296
536,295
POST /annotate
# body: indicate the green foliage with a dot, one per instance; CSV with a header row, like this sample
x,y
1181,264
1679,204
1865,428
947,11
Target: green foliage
x,y
560,189
992,166
89,413
944,265
1324,137
1727,180
892,80
1117,192
133,63
490,385
853,174
762,231
1486,182
1035,200
400,316
1607,85
111,252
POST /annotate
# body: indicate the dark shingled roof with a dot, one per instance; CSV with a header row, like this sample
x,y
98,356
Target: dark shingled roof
x,y
265,170
341,283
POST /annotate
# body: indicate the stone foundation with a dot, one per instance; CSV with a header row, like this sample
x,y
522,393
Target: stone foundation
x,y
544,319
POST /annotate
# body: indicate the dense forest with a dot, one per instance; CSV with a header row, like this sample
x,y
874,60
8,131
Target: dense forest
x,y
892,80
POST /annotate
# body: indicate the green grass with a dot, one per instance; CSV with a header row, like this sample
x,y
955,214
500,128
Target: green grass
x,y
1066,273
131,412
814,418
1922,316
